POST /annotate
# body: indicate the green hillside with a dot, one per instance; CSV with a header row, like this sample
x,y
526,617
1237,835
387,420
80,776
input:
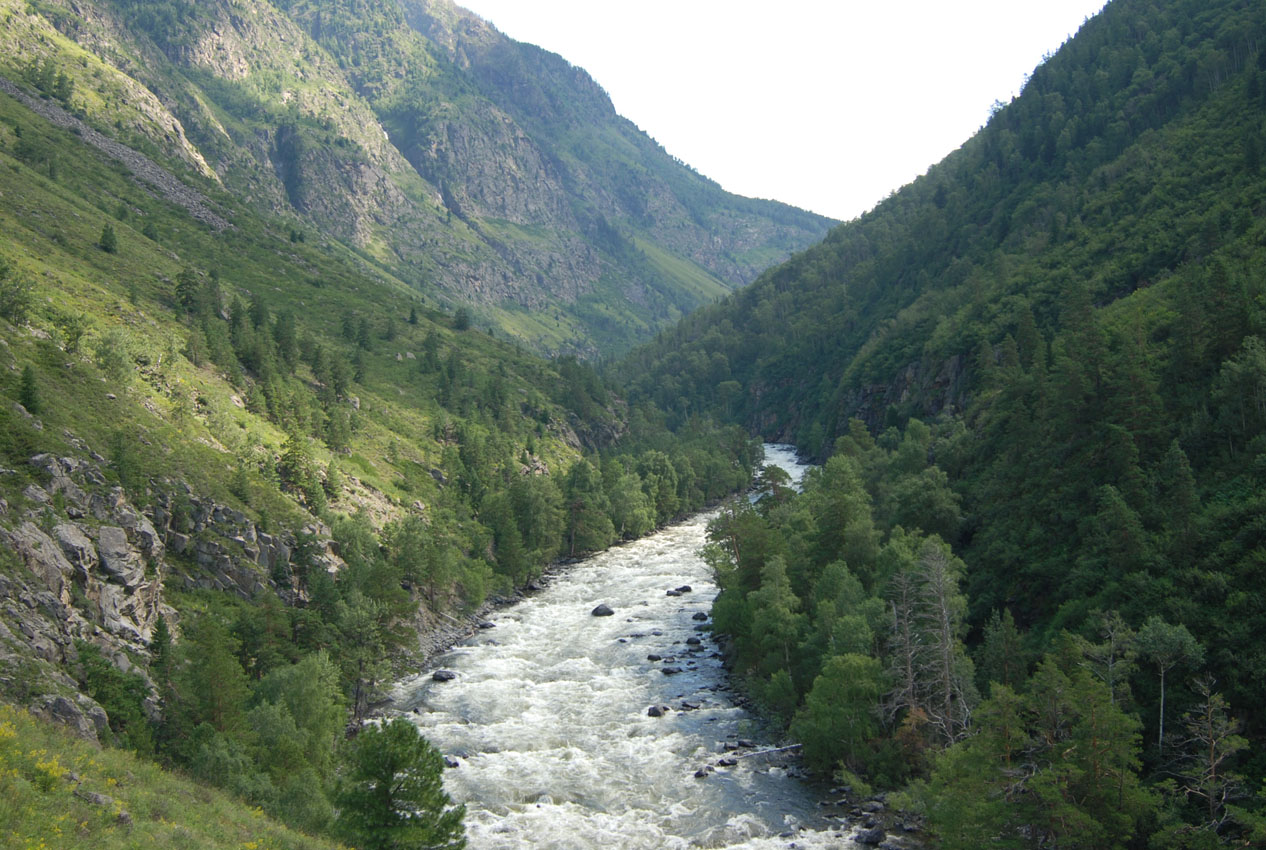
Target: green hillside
x,y
60,792
246,472
476,171
1037,372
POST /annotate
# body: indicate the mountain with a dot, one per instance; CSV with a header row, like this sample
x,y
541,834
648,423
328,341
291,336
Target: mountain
x,y
247,470
1036,378
477,170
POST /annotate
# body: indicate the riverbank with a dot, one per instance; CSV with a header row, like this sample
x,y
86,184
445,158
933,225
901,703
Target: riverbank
x,y
444,631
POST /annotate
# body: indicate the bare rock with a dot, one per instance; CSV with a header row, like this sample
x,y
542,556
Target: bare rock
x,y
602,611
77,547
42,557
59,709
118,558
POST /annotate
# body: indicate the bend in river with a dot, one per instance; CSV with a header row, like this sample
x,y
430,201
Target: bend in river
x,y
548,716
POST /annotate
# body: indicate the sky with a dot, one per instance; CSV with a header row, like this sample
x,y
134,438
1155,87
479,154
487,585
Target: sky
x,y
829,105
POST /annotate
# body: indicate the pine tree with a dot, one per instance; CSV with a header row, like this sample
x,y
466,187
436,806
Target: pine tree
x,y
108,242
28,391
390,795
188,289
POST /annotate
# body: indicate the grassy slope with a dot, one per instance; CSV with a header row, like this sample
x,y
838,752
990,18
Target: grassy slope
x,y
191,418
47,778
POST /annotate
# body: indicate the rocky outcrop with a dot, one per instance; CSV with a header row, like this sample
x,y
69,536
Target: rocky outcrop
x,y
102,567
93,567
930,388
232,553
143,168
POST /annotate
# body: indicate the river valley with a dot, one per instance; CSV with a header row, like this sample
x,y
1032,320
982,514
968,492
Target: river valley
x,y
548,716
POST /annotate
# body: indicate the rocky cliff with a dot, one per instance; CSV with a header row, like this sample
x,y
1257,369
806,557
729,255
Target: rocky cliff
x,y
89,565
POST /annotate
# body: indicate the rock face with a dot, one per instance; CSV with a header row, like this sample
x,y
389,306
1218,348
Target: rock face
x,y
234,554
94,569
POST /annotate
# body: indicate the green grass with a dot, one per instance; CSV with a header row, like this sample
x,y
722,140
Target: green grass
x,y
696,282
48,777
51,227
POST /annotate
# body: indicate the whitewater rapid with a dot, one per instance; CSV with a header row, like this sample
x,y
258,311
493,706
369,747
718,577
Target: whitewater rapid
x,y
547,717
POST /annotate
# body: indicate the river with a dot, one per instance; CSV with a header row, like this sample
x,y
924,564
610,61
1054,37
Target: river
x,y
547,718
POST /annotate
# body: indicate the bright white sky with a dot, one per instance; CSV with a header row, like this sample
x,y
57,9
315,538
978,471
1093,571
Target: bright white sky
x,y
825,104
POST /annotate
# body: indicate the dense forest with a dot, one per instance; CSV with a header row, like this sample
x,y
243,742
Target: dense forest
x,y
1024,584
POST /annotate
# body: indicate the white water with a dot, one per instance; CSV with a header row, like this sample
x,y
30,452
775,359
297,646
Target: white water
x,y
547,717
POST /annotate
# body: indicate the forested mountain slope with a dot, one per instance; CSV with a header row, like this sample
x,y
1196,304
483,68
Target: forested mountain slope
x,y
1074,304
475,169
244,470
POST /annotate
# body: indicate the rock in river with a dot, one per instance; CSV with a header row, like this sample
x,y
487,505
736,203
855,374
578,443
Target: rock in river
x,y
602,611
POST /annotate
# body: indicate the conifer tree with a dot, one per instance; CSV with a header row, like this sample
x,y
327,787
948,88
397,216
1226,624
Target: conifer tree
x,y
28,391
390,795
108,242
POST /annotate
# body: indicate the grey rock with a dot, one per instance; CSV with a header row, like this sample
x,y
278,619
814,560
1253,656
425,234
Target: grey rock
x,y
118,558
602,611
700,616
177,542
92,798
59,709
77,547
36,493
42,557
869,837
443,675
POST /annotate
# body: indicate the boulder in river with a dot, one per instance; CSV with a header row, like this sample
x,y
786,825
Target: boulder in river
x,y
670,671
869,837
728,761
602,611
655,711
700,616
443,675
654,657
673,593
685,588
487,625
693,641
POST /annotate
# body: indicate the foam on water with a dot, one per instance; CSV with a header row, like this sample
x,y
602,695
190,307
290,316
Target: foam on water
x,y
547,717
